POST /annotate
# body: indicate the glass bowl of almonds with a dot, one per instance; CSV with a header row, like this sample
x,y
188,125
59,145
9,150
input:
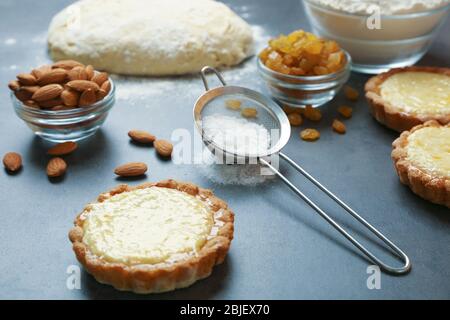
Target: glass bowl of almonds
x,y
64,101
302,69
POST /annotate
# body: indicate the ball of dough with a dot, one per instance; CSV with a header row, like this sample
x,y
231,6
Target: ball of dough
x,y
150,37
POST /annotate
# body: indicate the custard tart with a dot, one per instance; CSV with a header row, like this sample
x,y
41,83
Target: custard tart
x,y
405,97
422,160
153,238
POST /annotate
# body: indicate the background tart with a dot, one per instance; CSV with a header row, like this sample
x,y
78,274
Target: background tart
x,y
405,97
155,237
422,160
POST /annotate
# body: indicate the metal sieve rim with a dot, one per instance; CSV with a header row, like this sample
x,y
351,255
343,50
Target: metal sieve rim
x,y
275,111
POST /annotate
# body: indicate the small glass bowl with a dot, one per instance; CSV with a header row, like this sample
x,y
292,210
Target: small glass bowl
x,y
66,125
299,91
401,39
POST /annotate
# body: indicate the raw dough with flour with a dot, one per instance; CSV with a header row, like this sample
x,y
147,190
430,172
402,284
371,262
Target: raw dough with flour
x,y
150,37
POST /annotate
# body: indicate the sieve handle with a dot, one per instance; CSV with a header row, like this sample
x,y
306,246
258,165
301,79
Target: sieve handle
x,y
203,73
398,252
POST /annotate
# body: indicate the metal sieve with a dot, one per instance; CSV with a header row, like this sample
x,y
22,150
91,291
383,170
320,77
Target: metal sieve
x,y
271,116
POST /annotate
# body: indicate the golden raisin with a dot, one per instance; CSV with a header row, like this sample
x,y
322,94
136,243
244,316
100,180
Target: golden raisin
x,y
249,112
233,104
310,134
338,126
295,119
351,93
312,114
302,53
288,109
345,111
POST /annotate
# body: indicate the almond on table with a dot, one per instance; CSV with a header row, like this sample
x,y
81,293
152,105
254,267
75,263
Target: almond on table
x,y
163,147
56,167
141,136
131,169
12,161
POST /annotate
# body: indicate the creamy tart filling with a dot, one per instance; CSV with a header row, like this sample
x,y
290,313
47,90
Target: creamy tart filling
x,y
418,92
429,149
147,226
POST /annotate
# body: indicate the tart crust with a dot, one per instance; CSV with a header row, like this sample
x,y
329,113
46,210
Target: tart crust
x,y
388,114
167,276
425,184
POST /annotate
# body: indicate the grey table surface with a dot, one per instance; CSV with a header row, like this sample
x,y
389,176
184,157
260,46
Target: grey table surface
x,y
281,250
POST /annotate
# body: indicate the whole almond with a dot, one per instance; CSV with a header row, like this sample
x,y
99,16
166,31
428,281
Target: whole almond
x,y
22,95
106,86
31,104
14,85
90,72
66,64
26,79
39,72
30,89
131,169
48,92
100,77
141,136
163,147
60,107
101,94
82,85
62,149
77,73
56,167
12,161
70,97
87,98
47,104
54,76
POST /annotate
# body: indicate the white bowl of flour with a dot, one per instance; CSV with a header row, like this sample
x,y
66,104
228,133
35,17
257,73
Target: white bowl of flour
x,y
379,34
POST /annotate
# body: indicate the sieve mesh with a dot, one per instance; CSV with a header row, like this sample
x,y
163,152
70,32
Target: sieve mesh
x,y
269,115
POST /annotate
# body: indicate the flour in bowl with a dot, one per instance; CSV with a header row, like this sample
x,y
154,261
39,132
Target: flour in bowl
x,y
387,7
